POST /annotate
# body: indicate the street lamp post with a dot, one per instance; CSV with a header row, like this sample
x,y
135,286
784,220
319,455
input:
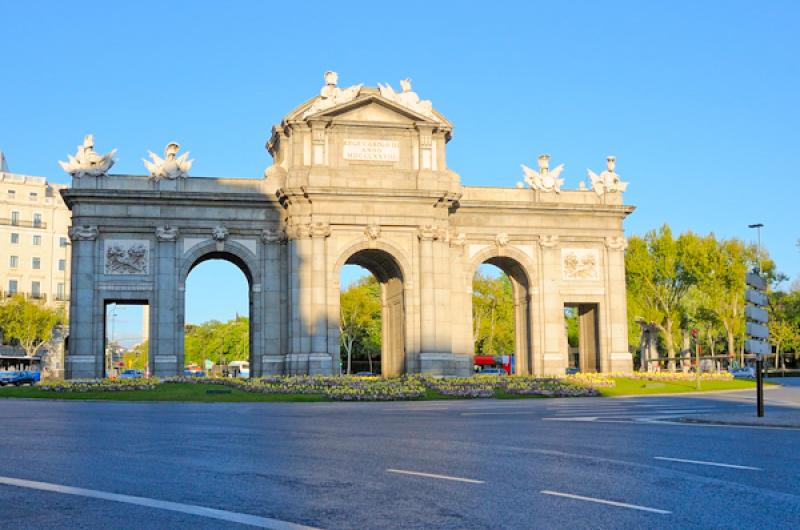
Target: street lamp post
x,y
758,227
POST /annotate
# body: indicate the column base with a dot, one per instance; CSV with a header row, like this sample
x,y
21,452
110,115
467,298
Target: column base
x,y
272,365
445,364
621,362
81,367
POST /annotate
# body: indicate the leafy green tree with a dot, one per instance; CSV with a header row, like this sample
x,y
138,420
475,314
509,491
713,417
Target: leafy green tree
x,y
360,321
492,314
29,323
658,281
136,357
218,341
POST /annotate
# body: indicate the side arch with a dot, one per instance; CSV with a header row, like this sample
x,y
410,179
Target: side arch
x,y
519,267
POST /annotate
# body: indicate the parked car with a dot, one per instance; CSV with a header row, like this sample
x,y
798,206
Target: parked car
x,y
365,374
187,372
20,377
572,370
492,371
132,374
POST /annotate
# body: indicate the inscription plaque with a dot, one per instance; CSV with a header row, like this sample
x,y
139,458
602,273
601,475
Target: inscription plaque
x,y
371,150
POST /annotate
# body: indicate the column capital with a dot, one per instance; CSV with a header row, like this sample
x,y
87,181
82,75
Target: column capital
x,y
167,233
428,233
83,233
273,236
548,241
616,243
320,230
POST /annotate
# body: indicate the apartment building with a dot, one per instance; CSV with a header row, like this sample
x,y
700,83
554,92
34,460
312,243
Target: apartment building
x,y
34,242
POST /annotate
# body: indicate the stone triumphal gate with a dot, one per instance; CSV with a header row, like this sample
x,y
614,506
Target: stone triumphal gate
x,y
359,176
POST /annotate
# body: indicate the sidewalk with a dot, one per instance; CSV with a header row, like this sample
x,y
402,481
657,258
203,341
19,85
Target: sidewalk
x,y
783,417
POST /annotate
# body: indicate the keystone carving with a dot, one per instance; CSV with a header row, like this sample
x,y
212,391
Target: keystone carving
x,y
219,234
83,233
372,231
501,239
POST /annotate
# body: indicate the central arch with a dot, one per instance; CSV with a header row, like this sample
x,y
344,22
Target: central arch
x,y
243,259
387,271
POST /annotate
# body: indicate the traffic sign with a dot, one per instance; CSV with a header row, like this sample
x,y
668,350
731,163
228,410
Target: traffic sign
x,y
757,347
756,280
756,297
757,331
756,314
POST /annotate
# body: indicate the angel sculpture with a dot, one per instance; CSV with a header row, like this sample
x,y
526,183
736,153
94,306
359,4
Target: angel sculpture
x,y
545,179
86,162
407,98
170,167
331,95
607,181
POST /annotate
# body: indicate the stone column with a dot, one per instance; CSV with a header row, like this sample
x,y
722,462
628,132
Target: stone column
x,y
617,358
300,249
85,356
427,308
320,361
554,357
166,355
272,359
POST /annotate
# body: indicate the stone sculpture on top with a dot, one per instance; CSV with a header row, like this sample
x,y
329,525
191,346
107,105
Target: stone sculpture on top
x,y
86,162
608,181
545,179
407,98
171,167
331,95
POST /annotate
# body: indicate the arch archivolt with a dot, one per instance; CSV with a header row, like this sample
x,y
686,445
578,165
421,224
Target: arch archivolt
x,y
231,251
398,255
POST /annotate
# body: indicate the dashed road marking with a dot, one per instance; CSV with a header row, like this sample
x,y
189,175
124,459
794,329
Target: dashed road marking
x,y
605,501
191,509
706,463
433,475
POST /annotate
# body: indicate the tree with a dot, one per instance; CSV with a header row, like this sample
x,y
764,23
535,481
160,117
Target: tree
x,y
221,342
360,321
29,323
492,314
658,280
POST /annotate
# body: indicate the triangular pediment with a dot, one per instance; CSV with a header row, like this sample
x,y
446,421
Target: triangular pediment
x,y
370,107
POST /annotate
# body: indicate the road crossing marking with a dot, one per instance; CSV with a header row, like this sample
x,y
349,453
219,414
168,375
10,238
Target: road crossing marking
x,y
191,509
705,463
432,475
605,501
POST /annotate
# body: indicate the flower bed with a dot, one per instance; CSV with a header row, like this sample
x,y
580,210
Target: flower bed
x,y
487,386
676,376
99,385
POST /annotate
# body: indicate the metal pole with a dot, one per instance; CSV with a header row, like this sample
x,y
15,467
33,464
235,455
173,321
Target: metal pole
x,y
760,388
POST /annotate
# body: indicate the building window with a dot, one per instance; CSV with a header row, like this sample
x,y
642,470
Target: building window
x,y
14,238
60,291
13,262
62,242
14,218
33,196
36,263
37,241
12,194
12,286
62,264
37,220
36,290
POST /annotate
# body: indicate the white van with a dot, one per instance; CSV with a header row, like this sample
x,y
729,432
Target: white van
x,y
239,368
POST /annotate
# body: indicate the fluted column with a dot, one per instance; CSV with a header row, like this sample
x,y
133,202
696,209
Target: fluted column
x,y
85,357
427,307
320,360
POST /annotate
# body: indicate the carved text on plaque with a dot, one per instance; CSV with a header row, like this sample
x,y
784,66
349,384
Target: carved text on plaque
x,y
371,150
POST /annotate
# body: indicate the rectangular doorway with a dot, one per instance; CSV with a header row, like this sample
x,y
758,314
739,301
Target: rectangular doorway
x,y
126,339
583,340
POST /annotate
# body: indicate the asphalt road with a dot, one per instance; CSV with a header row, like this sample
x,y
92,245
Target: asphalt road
x,y
557,463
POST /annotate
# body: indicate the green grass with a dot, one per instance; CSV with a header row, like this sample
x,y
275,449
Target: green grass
x,y
164,392
198,392
633,387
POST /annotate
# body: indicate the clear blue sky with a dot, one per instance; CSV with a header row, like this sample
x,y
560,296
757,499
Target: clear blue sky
x,y
698,100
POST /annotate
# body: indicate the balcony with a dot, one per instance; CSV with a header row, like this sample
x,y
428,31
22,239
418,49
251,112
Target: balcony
x,y
27,295
24,224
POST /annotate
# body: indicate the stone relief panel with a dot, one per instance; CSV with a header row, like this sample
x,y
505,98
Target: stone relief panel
x,y
127,256
580,263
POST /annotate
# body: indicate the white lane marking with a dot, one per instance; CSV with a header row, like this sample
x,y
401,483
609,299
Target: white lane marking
x,y
705,463
636,412
575,418
659,421
432,475
604,501
191,509
494,413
